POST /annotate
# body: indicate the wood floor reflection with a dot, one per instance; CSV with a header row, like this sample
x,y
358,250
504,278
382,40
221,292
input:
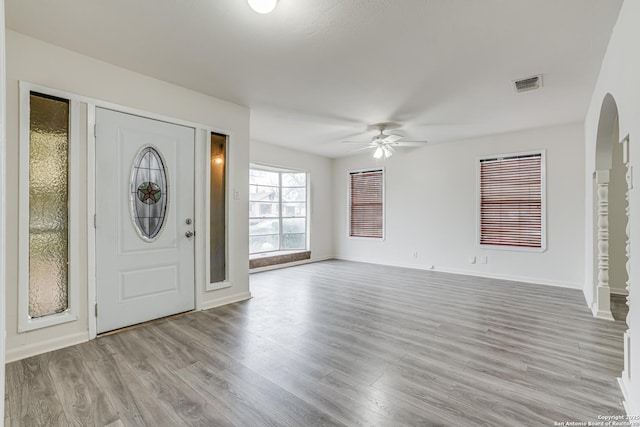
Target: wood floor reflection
x,y
340,343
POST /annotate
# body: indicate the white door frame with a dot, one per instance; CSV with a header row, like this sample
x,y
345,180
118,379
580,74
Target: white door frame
x,y
201,173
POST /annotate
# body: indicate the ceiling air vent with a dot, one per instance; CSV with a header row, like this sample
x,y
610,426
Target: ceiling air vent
x,y
530,83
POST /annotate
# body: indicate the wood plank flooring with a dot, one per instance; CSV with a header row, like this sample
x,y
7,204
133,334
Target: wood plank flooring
x,y
340,343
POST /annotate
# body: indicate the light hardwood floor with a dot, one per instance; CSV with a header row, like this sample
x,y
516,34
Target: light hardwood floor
x,y
340,343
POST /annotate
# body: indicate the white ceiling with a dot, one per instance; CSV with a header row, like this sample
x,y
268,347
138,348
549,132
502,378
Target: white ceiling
x,y
316,72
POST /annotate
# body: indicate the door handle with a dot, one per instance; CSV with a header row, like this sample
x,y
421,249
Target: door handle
x,y
190,233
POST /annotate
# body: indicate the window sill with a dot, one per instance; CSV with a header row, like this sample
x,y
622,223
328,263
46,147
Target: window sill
x,y
275,258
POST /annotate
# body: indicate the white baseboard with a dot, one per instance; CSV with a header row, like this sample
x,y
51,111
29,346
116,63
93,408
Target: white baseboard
x,y
523,279
288,264
24,351
630,405
217,302
587,292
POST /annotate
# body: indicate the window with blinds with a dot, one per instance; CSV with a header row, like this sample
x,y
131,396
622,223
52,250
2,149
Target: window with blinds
x,y
366,199
512,205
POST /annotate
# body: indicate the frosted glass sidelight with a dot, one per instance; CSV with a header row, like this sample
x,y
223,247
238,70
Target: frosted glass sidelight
x,y
48,205
148,194
218,209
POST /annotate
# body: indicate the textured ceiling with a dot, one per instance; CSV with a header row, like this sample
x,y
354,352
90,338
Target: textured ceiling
x,y
316,72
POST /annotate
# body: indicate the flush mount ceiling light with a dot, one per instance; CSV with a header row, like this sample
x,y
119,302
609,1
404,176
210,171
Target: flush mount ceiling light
x,y
263,6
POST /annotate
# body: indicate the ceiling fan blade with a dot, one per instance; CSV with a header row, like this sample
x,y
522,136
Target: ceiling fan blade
x,y
391,138
411,143
355,142
363,148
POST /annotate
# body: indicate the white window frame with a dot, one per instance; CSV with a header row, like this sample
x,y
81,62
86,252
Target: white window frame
x,y
282,169
25,322
543,208
384,203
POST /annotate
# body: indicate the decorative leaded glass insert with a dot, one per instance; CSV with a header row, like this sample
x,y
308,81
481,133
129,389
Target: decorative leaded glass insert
x,y
148,193
48,205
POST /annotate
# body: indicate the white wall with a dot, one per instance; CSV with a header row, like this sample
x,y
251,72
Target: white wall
x,y
619,77
50,66
320,179
2,210
431,208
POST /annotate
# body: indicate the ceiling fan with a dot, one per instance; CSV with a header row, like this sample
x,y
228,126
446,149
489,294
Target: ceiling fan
x,y
384,143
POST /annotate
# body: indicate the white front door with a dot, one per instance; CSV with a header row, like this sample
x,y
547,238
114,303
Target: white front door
x,y
144,219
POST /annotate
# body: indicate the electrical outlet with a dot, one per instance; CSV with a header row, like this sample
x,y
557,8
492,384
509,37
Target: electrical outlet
x,y
472,260
483,259
236,195
415,255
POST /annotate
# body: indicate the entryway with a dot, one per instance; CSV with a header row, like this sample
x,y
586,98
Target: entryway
x,y
144,219
611,212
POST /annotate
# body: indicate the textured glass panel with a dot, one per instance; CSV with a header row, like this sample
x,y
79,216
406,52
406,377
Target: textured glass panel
x,y
48,200
148,193
264,243
293,241
294,194
217,209
263,226
293,225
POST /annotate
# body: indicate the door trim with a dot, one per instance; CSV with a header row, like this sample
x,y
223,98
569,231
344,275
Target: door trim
x,y
200,193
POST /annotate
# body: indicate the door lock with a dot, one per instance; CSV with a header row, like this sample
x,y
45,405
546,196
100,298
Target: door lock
x,y
190,233
188,221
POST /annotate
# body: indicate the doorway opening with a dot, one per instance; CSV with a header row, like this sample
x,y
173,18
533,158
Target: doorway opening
x,y
611,213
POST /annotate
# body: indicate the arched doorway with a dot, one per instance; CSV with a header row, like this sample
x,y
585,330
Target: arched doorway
x,y
611,212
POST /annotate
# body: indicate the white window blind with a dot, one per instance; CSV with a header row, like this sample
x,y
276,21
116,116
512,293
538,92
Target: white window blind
x,y
511,201
366,204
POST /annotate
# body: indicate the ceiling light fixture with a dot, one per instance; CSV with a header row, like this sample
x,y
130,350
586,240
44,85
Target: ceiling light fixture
x,y
263,6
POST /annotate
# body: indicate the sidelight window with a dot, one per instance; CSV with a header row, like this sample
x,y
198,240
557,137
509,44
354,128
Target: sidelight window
x,y
47,140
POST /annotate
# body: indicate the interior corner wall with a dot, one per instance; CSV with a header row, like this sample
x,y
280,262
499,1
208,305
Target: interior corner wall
x,y
619,77
431,208
50,66
320,182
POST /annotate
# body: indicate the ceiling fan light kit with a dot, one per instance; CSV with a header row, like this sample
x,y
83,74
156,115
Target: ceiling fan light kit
x,y
263,6
382,151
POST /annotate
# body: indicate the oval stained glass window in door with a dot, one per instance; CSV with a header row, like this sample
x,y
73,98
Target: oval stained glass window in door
x,y
149,193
